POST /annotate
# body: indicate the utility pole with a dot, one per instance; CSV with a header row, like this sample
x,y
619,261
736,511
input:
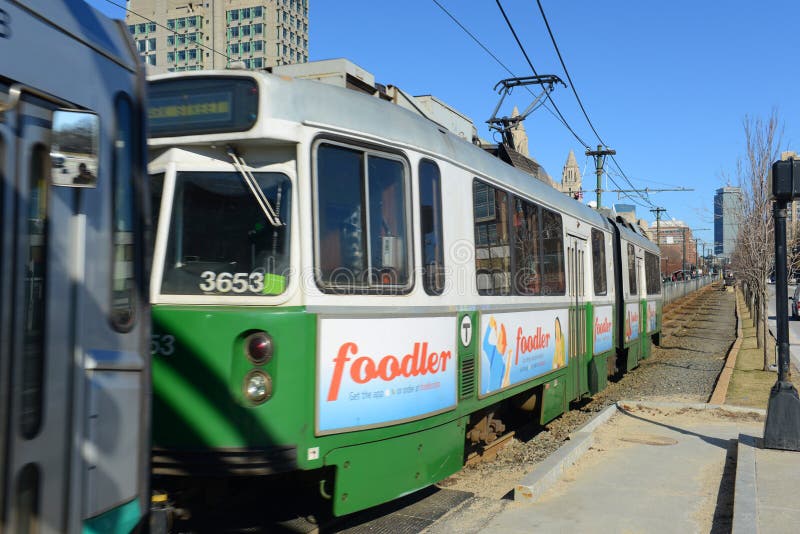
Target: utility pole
x,y
599,160
658,212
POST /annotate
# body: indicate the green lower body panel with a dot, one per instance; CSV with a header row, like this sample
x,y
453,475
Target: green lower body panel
x,y
373,473
598,373
554,399
634,355
120,520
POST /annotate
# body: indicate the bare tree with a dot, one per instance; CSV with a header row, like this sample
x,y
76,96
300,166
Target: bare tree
x,y
755,247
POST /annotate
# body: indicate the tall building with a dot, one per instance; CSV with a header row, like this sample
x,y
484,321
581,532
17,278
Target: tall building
x,y
727,212
176,35
571,180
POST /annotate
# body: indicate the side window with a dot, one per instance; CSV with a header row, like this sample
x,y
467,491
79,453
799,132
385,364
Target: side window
x,y
124,235
527,249
652,273
599,262
362,218
553,279
34,306
492,251
632,287
431,238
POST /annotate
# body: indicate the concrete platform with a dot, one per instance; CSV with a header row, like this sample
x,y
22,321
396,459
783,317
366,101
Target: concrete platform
x,y
656,467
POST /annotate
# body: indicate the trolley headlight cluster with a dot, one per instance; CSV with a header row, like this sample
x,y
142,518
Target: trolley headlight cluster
x,y
259,349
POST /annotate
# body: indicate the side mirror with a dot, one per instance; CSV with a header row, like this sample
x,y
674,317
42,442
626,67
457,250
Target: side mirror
x,y
74,148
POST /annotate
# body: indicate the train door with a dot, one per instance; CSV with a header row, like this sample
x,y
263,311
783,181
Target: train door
x,y
576,273
38,334
644,339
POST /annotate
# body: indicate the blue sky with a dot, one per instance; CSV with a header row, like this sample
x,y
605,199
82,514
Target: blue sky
x,y
666,84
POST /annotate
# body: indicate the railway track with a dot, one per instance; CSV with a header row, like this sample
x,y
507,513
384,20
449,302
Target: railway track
x,y
677,316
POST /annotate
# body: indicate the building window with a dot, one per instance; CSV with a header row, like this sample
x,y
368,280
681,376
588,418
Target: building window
x,y
182,55
245,48
258,29
233,15
141,28
151,27
132,29
180,23
258,46
258,63
234,49
170,24
258,11
151,60
170,57
245,13
171,40
140,45
151,44
234,33
245,31
193,54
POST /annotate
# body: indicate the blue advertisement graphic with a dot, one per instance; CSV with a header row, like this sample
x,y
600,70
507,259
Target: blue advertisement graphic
x,y
631,321
519,346
602,332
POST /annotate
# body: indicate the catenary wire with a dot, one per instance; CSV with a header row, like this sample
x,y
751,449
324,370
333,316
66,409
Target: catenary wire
x,y
530,63
486,49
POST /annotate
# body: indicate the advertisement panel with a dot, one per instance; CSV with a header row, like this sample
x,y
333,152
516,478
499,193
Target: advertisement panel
x,y
375,372
518,346
631,321
652,315
603,334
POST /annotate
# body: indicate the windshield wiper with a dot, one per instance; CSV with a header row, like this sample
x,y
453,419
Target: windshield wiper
x,y
258,194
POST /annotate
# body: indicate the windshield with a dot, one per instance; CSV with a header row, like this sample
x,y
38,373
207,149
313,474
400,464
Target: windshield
x,y
220,242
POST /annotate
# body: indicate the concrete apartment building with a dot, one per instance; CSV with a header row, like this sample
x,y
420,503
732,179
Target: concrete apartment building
x,y
727,211
176,35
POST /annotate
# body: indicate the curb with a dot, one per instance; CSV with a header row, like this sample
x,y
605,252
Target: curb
x,y
745,514
549,471
534,484
721,388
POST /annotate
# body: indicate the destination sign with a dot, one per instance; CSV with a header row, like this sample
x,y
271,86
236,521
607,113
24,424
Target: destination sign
x,y
197,105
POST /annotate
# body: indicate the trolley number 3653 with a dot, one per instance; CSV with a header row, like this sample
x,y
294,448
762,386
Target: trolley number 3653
x,y
235,282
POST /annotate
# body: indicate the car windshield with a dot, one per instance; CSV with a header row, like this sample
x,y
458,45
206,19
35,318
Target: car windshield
x,y
220,242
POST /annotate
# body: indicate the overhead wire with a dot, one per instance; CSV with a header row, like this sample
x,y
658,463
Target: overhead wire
x,y
499,62
530,64
580,103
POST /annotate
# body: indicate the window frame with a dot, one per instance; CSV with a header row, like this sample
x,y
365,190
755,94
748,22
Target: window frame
x,y
366,150
656,272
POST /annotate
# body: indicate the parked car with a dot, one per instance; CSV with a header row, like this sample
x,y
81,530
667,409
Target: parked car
x,y
795,314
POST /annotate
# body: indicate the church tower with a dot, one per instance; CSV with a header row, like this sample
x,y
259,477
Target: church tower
x,y
571,177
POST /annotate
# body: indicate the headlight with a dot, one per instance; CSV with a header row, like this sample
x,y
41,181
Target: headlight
x,y
258,347
257,386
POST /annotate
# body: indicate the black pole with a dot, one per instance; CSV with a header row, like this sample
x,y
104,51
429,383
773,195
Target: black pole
x,y
782,428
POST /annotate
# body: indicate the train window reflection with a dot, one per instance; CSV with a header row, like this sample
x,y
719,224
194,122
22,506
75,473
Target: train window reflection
x,y
220,242
527,258
599,262
633,289
362,221
652,273
553,279
430,205
492,249
123,273
34,305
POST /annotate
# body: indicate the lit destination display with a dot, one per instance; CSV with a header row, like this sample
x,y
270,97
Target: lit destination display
x,y
202,106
